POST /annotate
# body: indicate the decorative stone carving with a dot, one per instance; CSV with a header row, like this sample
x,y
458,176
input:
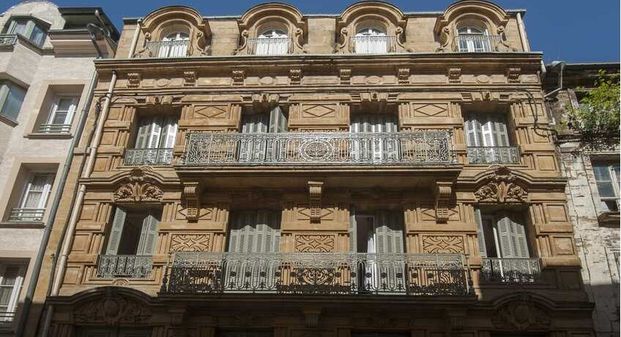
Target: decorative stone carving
x,y
295,74
314,243
112,309
345,76
443,244
138,187
164,99
133,80
403,75
238,77
190,243
314,200
444,192
522,314
501,187
454,75
189,78
513,74
191,196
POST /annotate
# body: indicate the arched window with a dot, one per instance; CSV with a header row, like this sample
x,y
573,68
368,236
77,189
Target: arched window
x,y
272,42
174,45
371,40
473,40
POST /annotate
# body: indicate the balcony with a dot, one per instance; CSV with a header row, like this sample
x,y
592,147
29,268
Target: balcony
x,y
7,40
418,148
269,46
6,318
493,155
156,156
127,266
26,214
510,270
476,43
55,128
318,274
374,44
167,49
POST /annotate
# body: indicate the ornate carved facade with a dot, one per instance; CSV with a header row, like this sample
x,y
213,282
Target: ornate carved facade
x,y
328,176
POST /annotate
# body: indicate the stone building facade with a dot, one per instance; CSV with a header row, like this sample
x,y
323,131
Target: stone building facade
x,y
592,173
46,77
369,173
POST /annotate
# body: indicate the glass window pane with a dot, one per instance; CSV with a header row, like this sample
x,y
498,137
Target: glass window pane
x,y
601,172
13,102
605,190
38,36
19,27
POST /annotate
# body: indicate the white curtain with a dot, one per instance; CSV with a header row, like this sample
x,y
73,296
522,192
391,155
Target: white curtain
x,y
272,42
174,45
371,41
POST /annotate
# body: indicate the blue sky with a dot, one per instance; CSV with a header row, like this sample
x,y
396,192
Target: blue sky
x,y
571,30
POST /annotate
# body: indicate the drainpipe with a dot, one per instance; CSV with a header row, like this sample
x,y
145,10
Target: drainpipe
x,y
522,30
67,241
135,40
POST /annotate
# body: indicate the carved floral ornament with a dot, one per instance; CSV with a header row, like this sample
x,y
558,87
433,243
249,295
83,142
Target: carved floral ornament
x,y
521,314
111,309
175,19
138,187
501,187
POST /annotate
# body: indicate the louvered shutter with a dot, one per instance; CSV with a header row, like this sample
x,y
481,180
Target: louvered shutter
x,y
473,132
278,121
520,241
169,132
156,132
480,233
502,136
255,123
148,235
116,231
487,133
388,232
142,137
254,232
353,236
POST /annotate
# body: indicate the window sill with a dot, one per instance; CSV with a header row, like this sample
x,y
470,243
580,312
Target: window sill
x,y
39,135
24,224
8,121
609,219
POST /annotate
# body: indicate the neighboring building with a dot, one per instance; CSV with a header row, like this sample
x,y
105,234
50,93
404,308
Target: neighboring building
x,y
46,78
592,192
370,173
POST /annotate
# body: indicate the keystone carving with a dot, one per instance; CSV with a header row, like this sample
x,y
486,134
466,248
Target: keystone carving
x,y
295,74
133,80
513,74
238,77
454,75
403,75
138,188
189,78
345,76
191,196
444,192
314,200
501,187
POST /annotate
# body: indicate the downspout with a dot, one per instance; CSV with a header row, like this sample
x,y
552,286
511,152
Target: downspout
x,y
67,241
522,30
132,49
19,331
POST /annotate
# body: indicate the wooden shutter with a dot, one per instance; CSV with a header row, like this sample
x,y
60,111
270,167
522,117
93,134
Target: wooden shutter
x,y
254,232
388,232
156,132
500,130
255,123
353,236
512,238
116,231
148,235
480,233
278,120
473,131
169,132
487,133
520,240
142,137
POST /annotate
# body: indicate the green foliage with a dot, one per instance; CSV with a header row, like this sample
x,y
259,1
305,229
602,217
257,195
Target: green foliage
x,y
597,118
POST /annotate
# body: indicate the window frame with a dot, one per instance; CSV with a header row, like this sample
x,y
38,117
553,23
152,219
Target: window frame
x,y
6,87
483,220
32,25
609,165
151,218
165,139
45,191
70,113
16,287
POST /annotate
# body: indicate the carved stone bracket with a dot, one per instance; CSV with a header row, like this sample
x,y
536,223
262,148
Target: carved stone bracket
x,y
444,192
264,101
513,74
189,78
501,187
295,74
314,200
238,76
133,80
454,75
164,99
403,75
191,196
345,76
138,187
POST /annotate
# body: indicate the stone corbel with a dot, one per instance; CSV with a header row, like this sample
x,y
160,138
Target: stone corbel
x,y
444,192
164,99
238,76
454,75
265,101
403,75
513,74
133,80
314,200
345,76
192,195
189,78
295,75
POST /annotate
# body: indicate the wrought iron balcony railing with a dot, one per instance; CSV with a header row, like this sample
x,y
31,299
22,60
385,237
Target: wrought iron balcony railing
x,y
173,48
510,270
7,40
55,128
130,266
374,44
476,43
269,46
26,214
493,155
318,274
424,147
157,156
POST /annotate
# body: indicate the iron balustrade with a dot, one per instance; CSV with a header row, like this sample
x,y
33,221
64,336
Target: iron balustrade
x,y
155,156
493,155
130,266
423,147
318,274
7,40
55,128
476,43
269,46
374,44
172,48
510,270
26,214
